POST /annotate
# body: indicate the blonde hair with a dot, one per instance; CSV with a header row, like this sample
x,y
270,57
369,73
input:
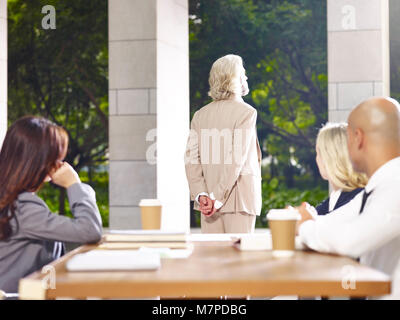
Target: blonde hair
x,y
332,147
224,77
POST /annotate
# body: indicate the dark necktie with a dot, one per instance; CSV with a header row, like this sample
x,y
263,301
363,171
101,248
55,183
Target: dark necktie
x,y
364,199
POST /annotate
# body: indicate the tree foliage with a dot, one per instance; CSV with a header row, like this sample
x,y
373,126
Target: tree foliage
x,y
62,73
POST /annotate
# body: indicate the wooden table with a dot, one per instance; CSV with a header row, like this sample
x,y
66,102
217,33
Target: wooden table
x,y
216,269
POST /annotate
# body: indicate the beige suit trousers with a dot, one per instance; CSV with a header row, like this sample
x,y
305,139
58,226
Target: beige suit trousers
x,y
228,222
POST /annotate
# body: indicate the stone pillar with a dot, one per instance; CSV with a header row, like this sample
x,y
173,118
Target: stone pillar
x,y
358,53
148,107
394,32
3,69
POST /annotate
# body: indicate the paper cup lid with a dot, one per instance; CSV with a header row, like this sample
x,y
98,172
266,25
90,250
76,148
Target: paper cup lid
x,y
149,202
283,214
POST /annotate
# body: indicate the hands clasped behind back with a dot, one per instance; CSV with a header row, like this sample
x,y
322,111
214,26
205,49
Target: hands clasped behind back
x,y
207,206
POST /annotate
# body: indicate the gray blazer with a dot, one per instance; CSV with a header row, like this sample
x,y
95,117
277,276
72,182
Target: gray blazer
x,y
38,234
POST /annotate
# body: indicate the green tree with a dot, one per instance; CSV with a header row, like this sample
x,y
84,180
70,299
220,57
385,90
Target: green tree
x,y
62,74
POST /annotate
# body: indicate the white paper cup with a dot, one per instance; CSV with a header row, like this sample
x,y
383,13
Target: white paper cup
x,y
282,223
151,210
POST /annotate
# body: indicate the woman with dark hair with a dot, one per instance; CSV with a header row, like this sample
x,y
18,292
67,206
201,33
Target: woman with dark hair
x,y
30,235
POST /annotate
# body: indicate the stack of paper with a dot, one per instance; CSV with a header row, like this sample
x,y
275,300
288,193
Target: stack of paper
x,y
145,235
100,260
133,239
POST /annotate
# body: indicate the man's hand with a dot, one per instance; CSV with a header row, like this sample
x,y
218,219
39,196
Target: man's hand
x,y
213,210
305,213
206,205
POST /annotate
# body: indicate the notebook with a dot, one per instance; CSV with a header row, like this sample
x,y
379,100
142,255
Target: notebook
x,y
114,260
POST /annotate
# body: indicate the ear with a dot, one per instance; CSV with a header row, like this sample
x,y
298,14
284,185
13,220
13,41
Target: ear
x,y
359,138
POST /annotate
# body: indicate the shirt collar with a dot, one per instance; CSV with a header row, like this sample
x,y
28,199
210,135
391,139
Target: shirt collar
x,y
384,172
335,193
333,198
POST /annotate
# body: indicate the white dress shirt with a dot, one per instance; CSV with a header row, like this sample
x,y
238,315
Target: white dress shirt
x,y
374,236
333,198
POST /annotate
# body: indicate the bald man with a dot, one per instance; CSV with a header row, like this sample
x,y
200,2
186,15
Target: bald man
x,y
368,227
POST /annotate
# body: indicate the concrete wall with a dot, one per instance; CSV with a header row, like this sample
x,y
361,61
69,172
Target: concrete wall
x,y
358,53
149,106
3,69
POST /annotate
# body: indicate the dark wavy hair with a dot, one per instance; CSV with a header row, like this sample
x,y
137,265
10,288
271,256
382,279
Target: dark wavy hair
x,y
31,150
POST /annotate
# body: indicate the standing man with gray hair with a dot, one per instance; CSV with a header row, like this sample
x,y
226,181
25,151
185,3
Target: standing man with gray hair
x,y
224,174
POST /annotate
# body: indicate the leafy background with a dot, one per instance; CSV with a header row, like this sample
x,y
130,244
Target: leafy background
x,y
62,74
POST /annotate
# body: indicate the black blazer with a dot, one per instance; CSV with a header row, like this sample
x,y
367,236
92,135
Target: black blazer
x,y
345,197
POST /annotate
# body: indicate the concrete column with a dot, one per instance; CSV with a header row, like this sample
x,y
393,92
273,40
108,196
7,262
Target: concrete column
x,y
358,53
394,32
149,109
3,69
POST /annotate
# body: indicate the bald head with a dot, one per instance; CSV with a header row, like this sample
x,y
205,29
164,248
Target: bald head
x,y
378,118
374,133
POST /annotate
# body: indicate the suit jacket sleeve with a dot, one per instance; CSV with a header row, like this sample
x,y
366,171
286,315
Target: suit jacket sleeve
x,y
242,137
193,168
344,231
36,221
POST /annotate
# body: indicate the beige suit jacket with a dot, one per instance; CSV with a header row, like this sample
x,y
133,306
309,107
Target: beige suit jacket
x,y
223,156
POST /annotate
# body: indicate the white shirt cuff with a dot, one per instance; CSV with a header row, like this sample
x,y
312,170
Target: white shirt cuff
x,y
217,204
312,211
201,194
306,231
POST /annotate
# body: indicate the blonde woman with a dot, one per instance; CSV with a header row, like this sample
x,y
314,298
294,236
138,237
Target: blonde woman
x,y
334,165
224,174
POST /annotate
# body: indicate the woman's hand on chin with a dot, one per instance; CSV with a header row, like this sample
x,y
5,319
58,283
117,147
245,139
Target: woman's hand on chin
x,y
65,176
